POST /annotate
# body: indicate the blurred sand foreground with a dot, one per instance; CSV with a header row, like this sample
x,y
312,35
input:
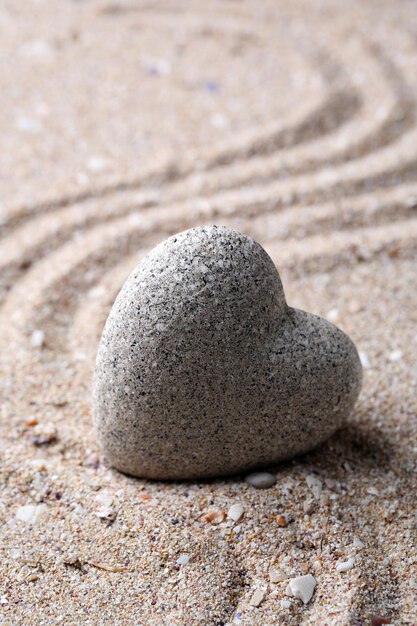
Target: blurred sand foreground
x,y
121,123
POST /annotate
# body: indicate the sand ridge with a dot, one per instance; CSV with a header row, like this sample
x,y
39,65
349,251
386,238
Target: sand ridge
x,y
126,122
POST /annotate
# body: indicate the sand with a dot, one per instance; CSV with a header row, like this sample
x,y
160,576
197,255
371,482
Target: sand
x,y
121,124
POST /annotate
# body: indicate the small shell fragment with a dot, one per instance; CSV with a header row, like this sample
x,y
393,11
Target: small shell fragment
x,y
345,565
109,568
44,433
284,519
214,516
104,498
261,480
308,506
144,497
301,587
32,578
357,543
32,421
257,597
277,575
315,485
73,560
107,513
183,559
236,512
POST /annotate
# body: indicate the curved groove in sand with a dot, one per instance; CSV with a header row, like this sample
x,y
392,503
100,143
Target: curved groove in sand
x,y
71,263
387,112
24,245
394,123
312,118
284,192
354,138
170,171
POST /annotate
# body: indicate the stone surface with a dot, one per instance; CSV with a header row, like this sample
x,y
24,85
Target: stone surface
x,y
204,370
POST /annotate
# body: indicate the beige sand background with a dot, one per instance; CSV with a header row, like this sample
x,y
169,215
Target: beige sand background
x,y
123,122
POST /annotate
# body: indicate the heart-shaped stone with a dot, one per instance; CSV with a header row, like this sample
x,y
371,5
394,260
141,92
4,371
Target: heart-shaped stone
x,y
204,370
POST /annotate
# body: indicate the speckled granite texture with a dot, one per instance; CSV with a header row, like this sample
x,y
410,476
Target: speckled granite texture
x,y
204,370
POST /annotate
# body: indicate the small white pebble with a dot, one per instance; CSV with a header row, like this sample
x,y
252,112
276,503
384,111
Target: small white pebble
x,y
373,491
183,559
301,587
30,513
27,124
218,120
15,554
285,604
4,600
96,164
413,583
357,543
36,48
261,480
104,498
364,360
39,465
345,565
315,485
332,315
97,292
257,597
395,355
37,339
236,512
79,510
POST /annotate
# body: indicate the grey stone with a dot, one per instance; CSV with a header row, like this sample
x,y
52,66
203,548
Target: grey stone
x,y
204,370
